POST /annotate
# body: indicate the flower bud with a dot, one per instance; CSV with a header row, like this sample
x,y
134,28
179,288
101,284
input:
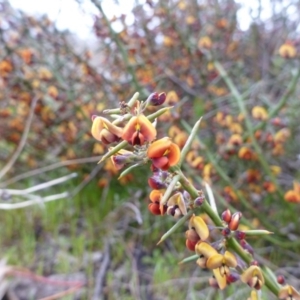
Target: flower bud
x,y
154,208
246,247
240,235
235,221
122,159
199,201
226,232
192,235
190,244
280,279
226,216
232,277
156,99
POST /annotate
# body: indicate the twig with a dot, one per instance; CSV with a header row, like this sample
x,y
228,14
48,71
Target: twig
x,y
211,198
41,186
101,274
22,143
136,211
50,168
36,200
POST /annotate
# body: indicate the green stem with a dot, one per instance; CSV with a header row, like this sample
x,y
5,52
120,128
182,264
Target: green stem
x,y
231,242
189,141
194,194
227,180
235,246
179,223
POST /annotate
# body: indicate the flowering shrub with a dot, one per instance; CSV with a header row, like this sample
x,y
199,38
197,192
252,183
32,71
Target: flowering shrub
x,y
219,245
243,83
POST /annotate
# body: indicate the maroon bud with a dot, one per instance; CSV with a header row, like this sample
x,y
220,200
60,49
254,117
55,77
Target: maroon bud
x,y
280,279
156,99
199,201
162,97
154,208
247,247
240,235
232,277
226,216
122,159
190,244
226,232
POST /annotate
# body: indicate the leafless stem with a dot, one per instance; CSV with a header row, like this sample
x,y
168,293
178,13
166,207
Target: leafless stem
x,y
101,274
22,143
50,168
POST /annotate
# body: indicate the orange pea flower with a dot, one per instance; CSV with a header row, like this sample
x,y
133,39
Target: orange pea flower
x,y
155,207
235,140
294,194
259,113
287,50
198,230
246,153
104,131
164,153
139,130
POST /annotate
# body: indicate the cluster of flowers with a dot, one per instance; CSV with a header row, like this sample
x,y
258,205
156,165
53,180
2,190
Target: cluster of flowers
x,y
230,256
139,132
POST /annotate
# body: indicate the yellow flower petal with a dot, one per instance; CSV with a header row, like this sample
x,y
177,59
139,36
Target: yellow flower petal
x,y
205,249
253,272
215,261
200,226
220,279
230,259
